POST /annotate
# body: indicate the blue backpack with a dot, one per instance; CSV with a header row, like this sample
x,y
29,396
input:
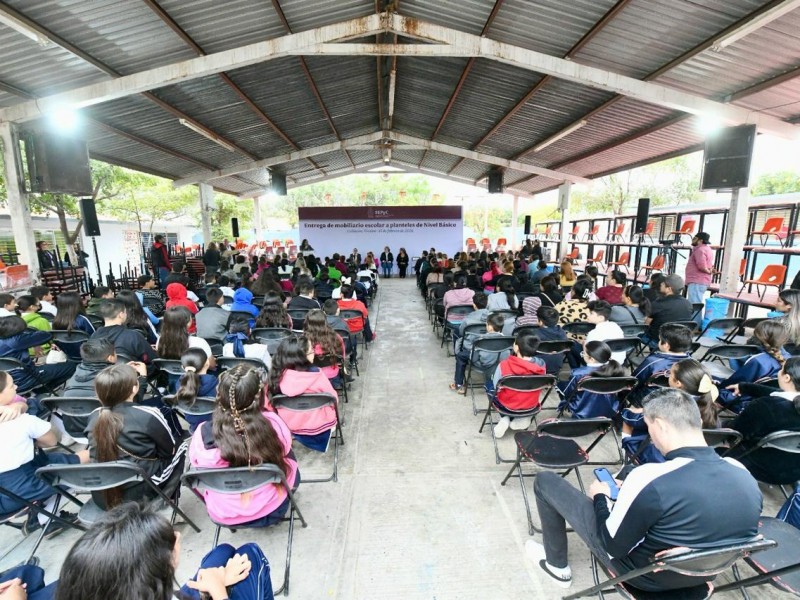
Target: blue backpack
x,y
790,511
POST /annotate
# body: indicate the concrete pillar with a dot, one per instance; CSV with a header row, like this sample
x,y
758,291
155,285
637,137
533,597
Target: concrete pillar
x,y
206,204
563,204
257,217
735,239
18,205
514,224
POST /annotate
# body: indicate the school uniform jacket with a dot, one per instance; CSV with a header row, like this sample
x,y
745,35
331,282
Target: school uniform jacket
x,y
584,404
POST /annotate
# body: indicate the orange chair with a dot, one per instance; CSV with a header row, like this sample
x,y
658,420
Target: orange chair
x,y
686,229
280,250
594,233
617,233
289,243
657,265
742,268
576,231
547,231
276,243
648,231
572,256
501,243
623,261
598,258
772,226
470,241
771,276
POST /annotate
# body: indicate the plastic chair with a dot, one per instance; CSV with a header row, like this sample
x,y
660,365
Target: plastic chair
x,y
623,261
772,226
598,258
97,477
656,265
618,232
575,234
551,447
241,480
648,231
771,276
525,384
593,233
308,403
703,563
502,243
686,229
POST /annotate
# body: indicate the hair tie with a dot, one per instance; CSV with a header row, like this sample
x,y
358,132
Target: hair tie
x,y
190,369
586,293
706,386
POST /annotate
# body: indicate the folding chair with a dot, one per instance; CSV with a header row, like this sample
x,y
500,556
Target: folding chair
x,y
657,265
238,315
633,330
257,301
331,360
271,336
518,329
200,407
95,320
771,276
553,353
715,359
729,326
506,313
692,325
626,345
697,310
722,438
748,324
575,234
524,384
703,563
70,342
77,408
497,345
9,365
298,316
578,328
307,403
228,362
241,480
97,477
347,315
772,226
449,326
780,441
686,229
551,447
437,315
623,261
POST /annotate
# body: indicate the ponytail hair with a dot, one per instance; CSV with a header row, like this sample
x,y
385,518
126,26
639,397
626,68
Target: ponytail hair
x,y
636,295
192,362
772,334
113,386
508,289
698,383
600,352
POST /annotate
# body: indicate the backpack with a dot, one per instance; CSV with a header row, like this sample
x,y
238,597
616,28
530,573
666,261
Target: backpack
x,y
790,511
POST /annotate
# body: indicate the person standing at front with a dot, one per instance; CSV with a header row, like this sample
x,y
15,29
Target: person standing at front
x,y
699,269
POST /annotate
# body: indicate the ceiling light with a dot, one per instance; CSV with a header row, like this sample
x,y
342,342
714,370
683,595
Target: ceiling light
x,y
755,24
561,134
708,124
64,119
23,28
207,134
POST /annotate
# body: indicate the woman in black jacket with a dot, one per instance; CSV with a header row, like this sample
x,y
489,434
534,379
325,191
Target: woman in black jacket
x,y
402,262
387,262
211,259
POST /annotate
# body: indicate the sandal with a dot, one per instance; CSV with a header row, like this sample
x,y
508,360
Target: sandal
x,y
462,391
453,387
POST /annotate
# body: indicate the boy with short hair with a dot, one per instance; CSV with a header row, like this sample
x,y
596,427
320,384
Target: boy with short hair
x,y
99,294
480,360
674,344
599,312
522,362
212,320
7,305
151,295
45,297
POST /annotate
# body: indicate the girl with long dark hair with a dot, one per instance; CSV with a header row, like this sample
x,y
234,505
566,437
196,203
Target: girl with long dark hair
x,y
71,314
196,382
273,313
585,404
243,433
137,319
293,374
125,430
175,338
504,298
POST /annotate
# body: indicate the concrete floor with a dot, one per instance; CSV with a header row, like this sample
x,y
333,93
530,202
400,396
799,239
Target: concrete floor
x,y
418,512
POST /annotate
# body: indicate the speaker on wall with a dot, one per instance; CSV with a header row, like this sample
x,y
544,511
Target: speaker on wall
x,y
278,183
527,225
56,164
90,224
235,227
642,215
495,179
727,158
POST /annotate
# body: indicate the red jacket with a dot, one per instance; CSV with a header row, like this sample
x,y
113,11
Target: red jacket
x,y
354,325
514,365
176,294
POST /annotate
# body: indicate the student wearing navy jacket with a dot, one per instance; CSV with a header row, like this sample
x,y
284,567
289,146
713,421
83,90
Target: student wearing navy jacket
x,y
772,335
674,343
196,382
584,404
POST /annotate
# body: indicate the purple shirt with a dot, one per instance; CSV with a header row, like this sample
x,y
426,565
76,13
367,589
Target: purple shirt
x,y
701,257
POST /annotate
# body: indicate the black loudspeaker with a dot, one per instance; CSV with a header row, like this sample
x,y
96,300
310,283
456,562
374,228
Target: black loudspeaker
x,y
495,181
279,184
528,225
90,224
235,227
642,215
727,158
57,165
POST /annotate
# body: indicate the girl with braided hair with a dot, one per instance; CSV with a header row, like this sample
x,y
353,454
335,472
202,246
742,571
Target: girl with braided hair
x,y
771,335
243,433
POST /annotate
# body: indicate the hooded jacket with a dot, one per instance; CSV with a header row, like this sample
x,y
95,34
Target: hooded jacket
x,y
159,256
36,321
176,294
514,365
294,383
17,346
243,301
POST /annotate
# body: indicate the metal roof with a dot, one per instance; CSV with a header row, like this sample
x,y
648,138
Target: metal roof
x,y
469,102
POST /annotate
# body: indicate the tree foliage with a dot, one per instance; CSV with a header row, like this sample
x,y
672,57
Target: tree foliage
x,y
779,182
228,207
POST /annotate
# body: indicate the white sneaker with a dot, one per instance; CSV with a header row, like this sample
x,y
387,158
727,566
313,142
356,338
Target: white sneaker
x,y
501,427
561,577
521,423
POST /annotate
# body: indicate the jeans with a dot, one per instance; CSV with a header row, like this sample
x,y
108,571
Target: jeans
x,y
462,358
695,293
559,503
387,269
163,273
256,586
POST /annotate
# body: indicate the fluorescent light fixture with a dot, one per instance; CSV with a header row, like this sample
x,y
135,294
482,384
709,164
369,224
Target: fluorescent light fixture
x,y
561,134
755,24
207,134
22,27
64,119
708,124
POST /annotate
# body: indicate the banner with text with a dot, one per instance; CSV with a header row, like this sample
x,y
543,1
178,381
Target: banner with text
x,y
415,228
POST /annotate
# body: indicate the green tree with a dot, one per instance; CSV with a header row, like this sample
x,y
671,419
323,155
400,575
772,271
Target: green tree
x,y
780,182
228,207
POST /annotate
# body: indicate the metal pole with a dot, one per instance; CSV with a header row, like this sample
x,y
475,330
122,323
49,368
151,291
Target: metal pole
x,y
97,260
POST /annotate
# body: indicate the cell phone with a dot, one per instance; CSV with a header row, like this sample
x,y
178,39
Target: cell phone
x,y
605,476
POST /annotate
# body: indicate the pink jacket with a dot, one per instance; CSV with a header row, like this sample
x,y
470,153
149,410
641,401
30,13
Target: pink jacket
x,y
294,383
235,509
702,256
456,297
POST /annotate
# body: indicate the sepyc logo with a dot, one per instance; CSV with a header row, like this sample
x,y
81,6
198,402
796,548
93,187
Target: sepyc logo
x,y
375,213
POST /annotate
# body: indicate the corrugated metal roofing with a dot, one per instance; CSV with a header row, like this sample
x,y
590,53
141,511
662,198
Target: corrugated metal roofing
x,y
639,39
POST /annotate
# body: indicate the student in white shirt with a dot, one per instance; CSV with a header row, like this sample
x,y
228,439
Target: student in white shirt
x,y
9,303
45,297
599,311
239,345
